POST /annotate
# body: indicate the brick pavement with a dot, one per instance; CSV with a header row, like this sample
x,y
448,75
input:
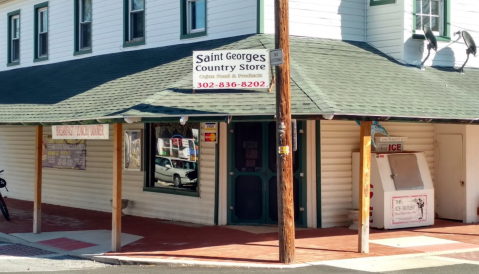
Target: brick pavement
x,y
170,240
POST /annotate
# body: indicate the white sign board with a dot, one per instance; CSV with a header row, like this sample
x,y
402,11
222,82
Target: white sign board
x,y
409,209
87,132
231,69
276,57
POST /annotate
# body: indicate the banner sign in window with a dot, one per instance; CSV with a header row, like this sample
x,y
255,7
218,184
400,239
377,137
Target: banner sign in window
x,y
89,132
231,69
69,154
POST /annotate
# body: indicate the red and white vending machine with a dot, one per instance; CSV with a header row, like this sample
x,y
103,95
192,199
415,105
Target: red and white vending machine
x,y
402,193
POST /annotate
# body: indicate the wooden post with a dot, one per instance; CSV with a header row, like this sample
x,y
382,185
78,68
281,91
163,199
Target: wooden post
x,y
286,233
37,199
364,187
116,203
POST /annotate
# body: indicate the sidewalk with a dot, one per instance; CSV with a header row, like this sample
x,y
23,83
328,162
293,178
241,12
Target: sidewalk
x,y
86,233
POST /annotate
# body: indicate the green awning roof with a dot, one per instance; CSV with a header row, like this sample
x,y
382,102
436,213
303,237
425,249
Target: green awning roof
x,y
328,77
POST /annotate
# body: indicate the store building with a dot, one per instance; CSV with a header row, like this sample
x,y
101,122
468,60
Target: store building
x,y
186,176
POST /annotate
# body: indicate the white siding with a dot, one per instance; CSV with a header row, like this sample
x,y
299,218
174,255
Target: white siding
x,y
464,14
385,28
226,18
338,140
333,19
92,188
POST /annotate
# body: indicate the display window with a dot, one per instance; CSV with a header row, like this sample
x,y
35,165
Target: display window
x,y
174,157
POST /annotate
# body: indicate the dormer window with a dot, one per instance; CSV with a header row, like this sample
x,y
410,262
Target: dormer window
x,y
433,14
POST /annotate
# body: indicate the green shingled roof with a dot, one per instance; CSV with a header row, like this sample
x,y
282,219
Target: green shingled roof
x,y
328,77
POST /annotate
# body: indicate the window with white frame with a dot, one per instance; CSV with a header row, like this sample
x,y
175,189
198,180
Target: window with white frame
x,y
42,32
196,15
430,13
84,24
15,38
136,19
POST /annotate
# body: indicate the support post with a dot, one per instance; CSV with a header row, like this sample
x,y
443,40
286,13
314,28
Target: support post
x,y
364,187
286,233
37,199
116,201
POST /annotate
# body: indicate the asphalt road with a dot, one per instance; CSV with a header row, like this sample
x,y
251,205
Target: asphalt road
x,y
454,269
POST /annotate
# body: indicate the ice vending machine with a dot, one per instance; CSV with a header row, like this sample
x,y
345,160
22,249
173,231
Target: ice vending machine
x,y
402,193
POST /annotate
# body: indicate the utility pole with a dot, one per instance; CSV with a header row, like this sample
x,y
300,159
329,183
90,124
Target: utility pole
x,y
286,233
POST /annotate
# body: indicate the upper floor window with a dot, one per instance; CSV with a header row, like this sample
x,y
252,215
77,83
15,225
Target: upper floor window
x,y
41,32
14,38
83,26
193,21
134,22
433,14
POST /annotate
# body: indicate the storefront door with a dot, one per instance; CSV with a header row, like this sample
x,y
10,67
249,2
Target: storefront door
x,y
252,169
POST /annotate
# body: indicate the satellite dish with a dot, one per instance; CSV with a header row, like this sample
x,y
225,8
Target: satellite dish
x,y
432,43
471,47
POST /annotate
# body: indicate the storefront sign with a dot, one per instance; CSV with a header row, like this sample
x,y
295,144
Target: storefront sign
x,y
63,153
409,209
231,69
390,144
90,132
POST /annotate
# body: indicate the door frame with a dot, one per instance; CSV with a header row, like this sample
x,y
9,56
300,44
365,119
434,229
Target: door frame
x,y
302,168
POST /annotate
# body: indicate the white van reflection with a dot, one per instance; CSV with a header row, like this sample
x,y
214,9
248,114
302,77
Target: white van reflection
x,y
176,172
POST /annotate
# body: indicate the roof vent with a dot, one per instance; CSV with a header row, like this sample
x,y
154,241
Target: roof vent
x,y
471,48
432,44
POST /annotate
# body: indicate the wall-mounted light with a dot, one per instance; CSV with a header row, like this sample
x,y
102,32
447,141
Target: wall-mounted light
x,y
328,116
130,120
183,120
228,119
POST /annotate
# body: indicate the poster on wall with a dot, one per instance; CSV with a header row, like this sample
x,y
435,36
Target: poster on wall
x,y
132,150
66,154
409,209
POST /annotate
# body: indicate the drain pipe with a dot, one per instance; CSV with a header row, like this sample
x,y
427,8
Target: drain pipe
x,y
366,20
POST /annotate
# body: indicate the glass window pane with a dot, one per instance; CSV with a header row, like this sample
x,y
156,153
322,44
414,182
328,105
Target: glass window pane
x,y
248,147
426,6
426,21
435,23
137,25
198,13
16,28
176,155
43,45
435,7
418,22
85,35
85,11
15,50
43,21
418,6
137,4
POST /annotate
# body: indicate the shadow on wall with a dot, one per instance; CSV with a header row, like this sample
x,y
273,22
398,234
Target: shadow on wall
x,y
351,20
416,52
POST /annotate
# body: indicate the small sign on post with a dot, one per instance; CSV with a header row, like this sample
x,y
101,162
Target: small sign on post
x,y
276,57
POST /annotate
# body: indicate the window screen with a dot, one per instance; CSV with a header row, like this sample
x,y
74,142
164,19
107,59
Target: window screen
x,y
405,171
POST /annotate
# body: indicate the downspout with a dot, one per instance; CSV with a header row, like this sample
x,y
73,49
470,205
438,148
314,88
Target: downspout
x,y
366,20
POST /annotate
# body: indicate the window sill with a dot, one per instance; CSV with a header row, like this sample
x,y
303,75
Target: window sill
x,y
41,59
81,52
193,35
12,64
171,191
438,38
133,43
381,2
